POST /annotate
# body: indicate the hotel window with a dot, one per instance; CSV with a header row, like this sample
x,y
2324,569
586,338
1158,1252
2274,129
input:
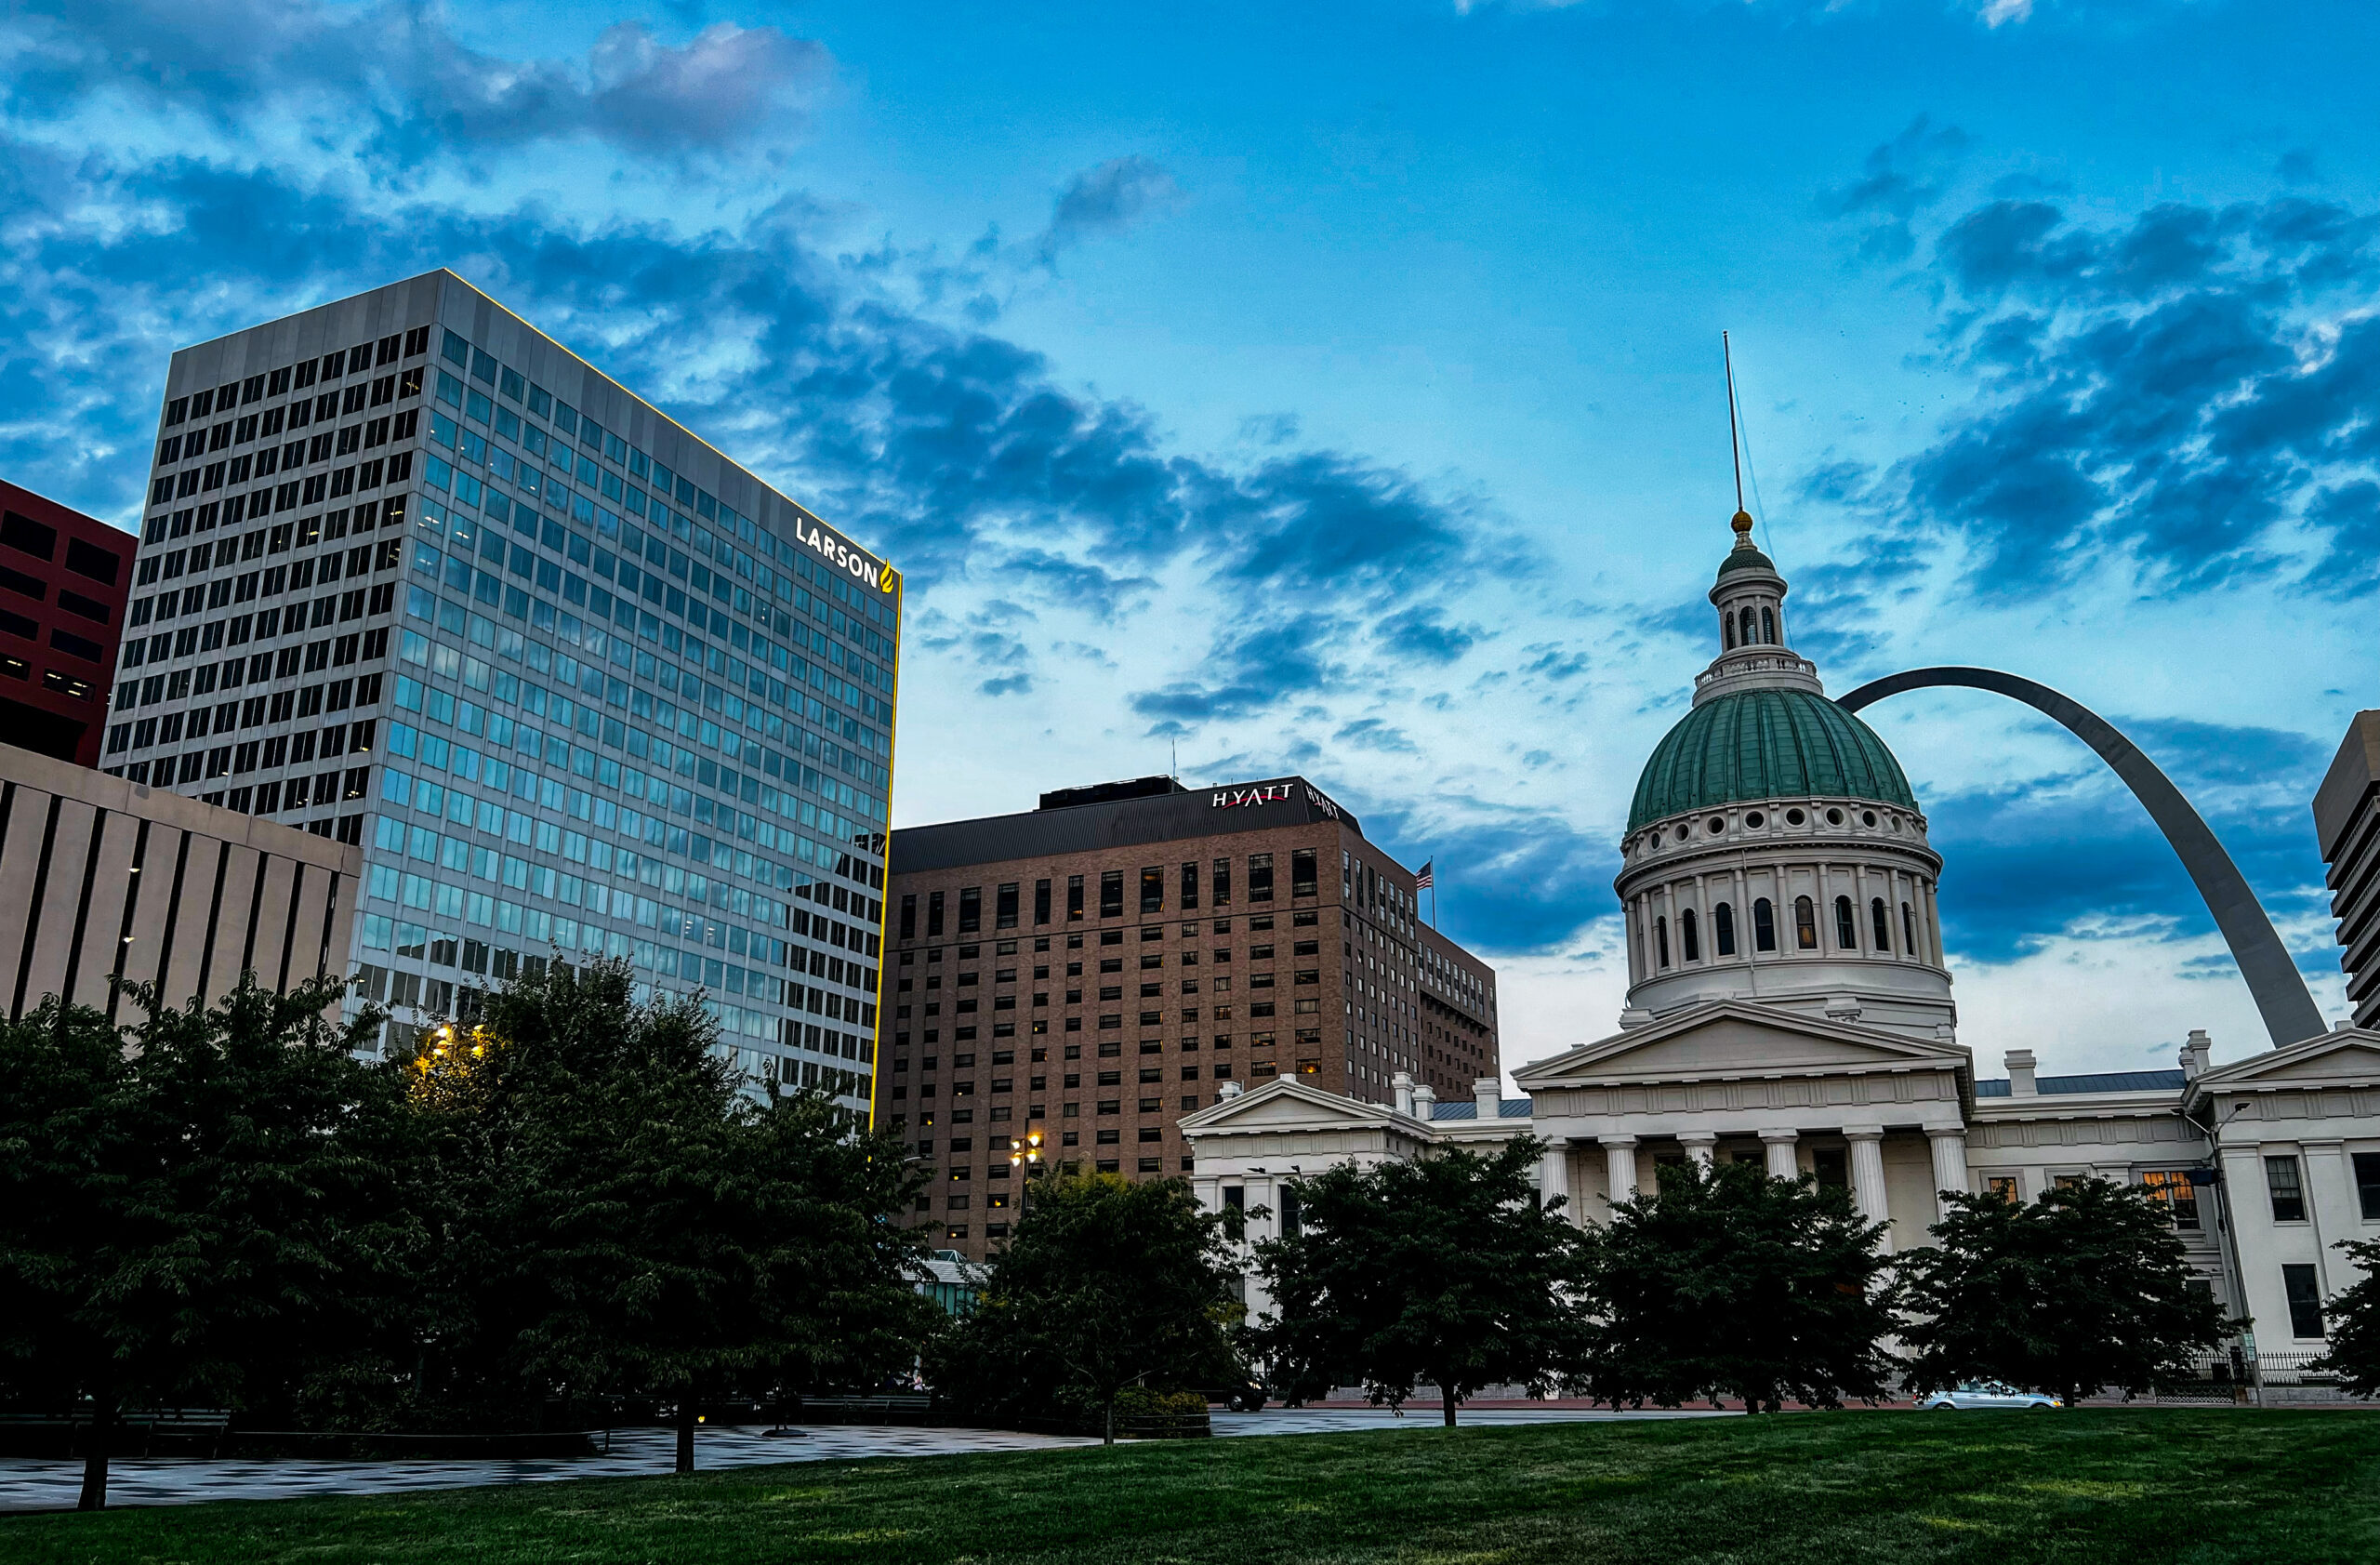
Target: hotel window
x,y
2367,1184
1260,877
1004,906
1764,925
909,915
933,914
1806,923
971,909
2287,1190
1073,898
1111,893
1190,886
2171,1188
1153,889
2305,1300
1219,887
1041,903
1304,875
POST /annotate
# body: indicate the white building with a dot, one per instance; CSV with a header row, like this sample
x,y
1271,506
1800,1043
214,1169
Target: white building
x,y
1788,1004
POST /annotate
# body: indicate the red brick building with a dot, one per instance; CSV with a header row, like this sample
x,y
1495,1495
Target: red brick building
x,y
1095,969
64,577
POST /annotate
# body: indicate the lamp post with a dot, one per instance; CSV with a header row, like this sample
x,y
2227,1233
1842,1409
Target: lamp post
x,y
1027,1154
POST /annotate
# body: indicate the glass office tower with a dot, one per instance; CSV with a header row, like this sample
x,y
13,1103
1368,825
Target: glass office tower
x,y
415,576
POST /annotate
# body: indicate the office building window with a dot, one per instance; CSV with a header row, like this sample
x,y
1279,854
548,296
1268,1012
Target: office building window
x,y
2287,1189
2305,1301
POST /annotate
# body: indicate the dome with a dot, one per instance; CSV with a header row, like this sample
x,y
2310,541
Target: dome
x,y
1766,744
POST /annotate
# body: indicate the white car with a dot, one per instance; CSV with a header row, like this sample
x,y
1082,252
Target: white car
x,y
1989,1394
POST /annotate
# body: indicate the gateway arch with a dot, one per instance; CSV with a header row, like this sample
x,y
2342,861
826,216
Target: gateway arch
x,y
2280,994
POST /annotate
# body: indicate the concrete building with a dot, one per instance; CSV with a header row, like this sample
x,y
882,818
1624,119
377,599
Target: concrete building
x,y
2346,828
64,577
1098,968
1789,1005
415,577
113,878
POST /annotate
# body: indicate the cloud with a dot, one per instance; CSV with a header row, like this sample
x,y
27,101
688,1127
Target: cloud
x,y
1902,177
1248,671
1421,634
1104,201
401,71
1511,880
2192,395
1372,732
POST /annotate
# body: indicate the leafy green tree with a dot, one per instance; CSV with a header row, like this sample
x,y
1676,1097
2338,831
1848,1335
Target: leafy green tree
x,y
2353,1319
1450,1270
1106,1283
620,1219
1724,1281
193,1210
2082,1289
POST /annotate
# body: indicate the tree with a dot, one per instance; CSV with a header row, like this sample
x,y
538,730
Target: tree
x,y
2084,1287
1105,1283
1451,1270
2353,1319
1726,1281
620,1219
195,1211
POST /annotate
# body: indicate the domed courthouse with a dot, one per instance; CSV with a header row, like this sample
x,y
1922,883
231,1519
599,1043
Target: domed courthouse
x,y
1789,1003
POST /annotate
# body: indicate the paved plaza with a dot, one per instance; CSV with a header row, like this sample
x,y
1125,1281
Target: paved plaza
x,y
28,1485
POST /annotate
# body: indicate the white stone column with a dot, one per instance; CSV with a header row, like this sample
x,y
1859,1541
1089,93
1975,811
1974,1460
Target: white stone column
x,y
1620,1166
1868,1174
1950,1147
1553,1178
1699,1145
1208,1189
1783,1163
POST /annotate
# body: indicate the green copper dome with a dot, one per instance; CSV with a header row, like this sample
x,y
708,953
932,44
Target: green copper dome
x,y
1745,559
1766,744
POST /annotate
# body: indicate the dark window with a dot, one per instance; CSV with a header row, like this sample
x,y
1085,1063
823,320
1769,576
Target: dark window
x,y
909,915
1883,925
1846,927
1831,1165
77,646
1768,626
2288,1192
1041,902
1806,923
1152,890
2304,1299
933,914
18,581
1219,887
1722,929
1260,877
1111,893
1073,898
1190,886
2367,1184
1292,1213
1662,938
1764,925
1908,929
971,909
23,534
89,608
1302,873
1689,933
1004,906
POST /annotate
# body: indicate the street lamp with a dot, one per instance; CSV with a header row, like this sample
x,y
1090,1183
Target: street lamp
x,y
1026,1154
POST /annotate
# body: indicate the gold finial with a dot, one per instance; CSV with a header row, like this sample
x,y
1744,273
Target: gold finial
x,y
1742,524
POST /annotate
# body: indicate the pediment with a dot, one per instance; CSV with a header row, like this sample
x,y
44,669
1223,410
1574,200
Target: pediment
x,y
1731,1038
1286,1103
2333,1058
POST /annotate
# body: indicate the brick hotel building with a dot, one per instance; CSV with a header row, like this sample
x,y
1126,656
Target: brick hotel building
x,y
1099,967
415,576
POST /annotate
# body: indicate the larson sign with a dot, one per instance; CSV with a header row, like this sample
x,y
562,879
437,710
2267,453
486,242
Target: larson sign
x,y
844,557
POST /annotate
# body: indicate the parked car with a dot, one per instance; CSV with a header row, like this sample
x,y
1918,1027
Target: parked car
x,y
1989,1394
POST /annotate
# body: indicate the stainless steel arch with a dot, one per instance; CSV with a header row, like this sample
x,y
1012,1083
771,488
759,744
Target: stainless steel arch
x,y
2280,994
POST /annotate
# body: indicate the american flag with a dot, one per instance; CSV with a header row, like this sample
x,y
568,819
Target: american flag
x,y
1425,882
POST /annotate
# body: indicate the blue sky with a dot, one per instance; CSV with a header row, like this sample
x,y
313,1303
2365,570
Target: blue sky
x,y
1336,387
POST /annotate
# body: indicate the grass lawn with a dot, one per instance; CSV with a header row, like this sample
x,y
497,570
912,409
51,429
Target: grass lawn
x,y
2111,1486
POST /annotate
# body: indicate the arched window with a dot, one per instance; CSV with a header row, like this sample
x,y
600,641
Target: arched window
x,y
1806,923
1662,939
1722,929
1908,929
1768,626
1764,925
1728,629
1846,925
1744,620
1690,936
1882,925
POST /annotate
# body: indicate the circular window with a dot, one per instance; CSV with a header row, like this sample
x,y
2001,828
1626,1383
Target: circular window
x,y
1868,818
1893,821
1794,817
1683,832
1717,825
1755,820
1834,817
